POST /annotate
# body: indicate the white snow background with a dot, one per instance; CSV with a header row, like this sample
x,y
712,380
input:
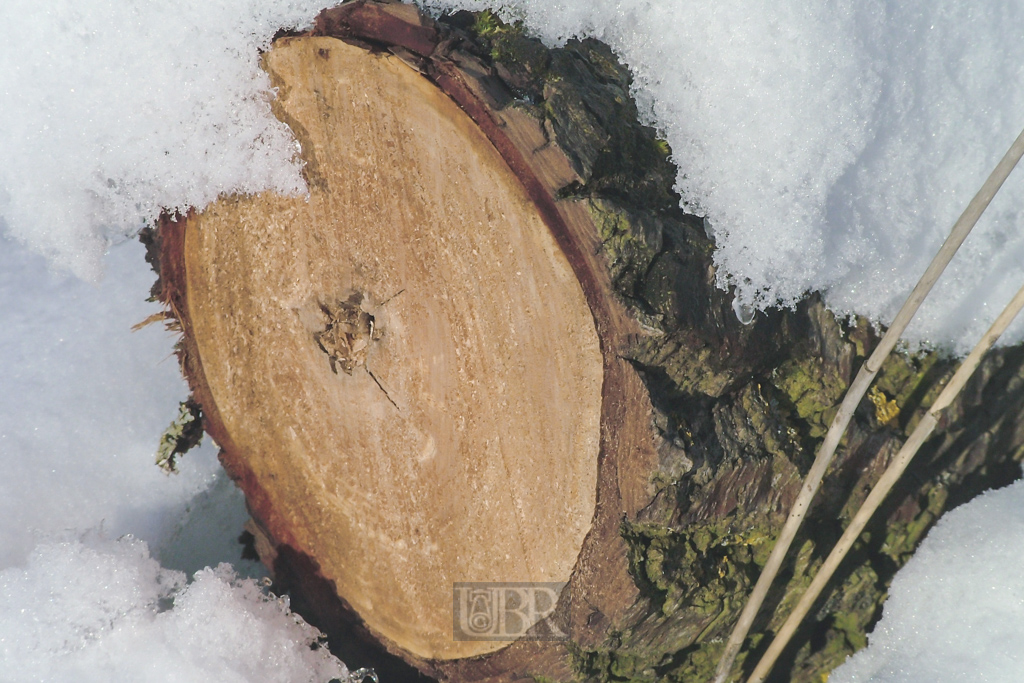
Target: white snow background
x,y
830,145
956,610
108,111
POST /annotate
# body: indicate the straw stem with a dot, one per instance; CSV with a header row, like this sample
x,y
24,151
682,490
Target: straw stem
x,y
884,485
855,393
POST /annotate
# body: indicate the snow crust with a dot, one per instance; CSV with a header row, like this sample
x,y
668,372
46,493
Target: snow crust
x,y
955,612
831,145
94,610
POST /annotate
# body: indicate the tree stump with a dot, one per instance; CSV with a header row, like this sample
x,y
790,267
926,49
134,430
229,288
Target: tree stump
x,y
487,349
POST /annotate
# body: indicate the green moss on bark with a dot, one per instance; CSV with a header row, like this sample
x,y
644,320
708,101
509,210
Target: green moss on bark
x,y
741,409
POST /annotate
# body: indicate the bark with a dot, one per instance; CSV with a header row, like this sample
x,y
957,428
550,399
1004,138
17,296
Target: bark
x,y
697,429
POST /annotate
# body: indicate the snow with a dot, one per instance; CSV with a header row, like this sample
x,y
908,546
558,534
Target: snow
x,y
98,614
830,146
109,111
85,400
955,612
114,109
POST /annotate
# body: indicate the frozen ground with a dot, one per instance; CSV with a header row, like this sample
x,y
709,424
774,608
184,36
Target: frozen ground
x,y
830,145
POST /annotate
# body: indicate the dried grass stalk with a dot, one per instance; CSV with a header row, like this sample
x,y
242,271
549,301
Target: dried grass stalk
x,y
856,392
884,485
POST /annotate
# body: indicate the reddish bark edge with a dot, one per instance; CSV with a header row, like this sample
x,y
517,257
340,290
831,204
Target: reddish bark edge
x,y
391,26
172,292
293,569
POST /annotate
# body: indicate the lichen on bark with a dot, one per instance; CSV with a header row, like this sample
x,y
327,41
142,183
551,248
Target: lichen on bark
x,y
741,409
184,433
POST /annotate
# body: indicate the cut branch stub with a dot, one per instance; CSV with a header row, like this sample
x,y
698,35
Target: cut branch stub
x,y
413,373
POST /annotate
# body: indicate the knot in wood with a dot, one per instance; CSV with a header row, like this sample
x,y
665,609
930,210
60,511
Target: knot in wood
x,y
348,332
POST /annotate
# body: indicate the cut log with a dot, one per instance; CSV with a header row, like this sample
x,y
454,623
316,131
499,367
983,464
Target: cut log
x,y
406,354
488,348
404,369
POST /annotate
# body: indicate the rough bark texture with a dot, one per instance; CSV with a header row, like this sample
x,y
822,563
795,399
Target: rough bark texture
x,y
738,410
